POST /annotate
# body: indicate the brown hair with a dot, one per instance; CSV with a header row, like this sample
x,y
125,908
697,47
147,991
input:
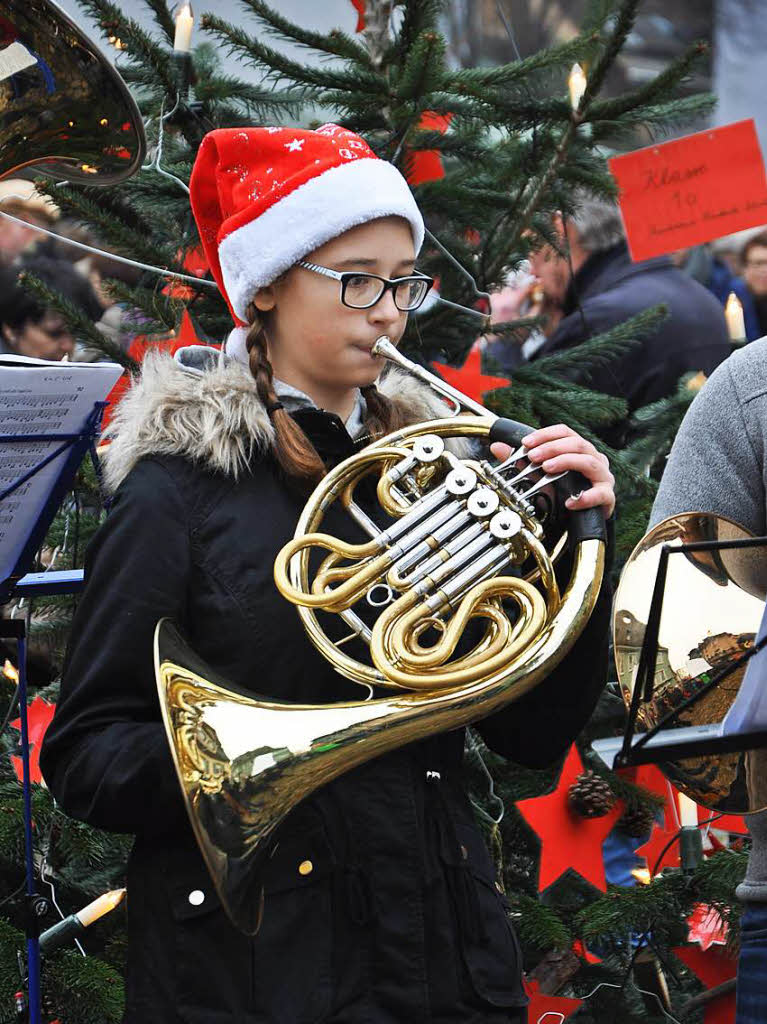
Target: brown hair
x,y
758,239
295,453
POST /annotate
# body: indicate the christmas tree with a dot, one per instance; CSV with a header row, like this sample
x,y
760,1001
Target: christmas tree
x,y
491,153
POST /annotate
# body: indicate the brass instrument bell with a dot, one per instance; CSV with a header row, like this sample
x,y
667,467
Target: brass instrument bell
x,y
64,109
712,608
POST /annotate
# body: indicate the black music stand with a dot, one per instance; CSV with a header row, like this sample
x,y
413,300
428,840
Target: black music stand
x,y
670,744
21,583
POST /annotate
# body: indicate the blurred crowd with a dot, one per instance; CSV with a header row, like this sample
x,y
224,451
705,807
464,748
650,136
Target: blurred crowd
x,y
28,326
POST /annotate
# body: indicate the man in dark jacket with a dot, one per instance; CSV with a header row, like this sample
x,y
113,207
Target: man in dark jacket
x,y
601,287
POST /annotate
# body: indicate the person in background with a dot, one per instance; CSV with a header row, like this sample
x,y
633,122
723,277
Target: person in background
x,y
20,199
703,265
599,287
754,260
27,326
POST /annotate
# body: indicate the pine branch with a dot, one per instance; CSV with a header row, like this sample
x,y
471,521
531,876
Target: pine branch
x,y
138,44
278,66
418,16
653,91
335,43
624,22
602,349
82,328
423,71
163,18
477,79
114,220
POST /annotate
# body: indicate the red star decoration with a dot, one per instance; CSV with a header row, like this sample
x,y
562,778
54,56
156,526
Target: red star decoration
x,y
545,1009
141,344
426,164
39,715
712,967
579,948
706,927
659,838
359,7
194,262
568,840
469,378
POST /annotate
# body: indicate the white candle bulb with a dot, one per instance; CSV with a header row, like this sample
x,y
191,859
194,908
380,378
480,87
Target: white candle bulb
x,y
576,83
688,812
182,42
99,907
733,314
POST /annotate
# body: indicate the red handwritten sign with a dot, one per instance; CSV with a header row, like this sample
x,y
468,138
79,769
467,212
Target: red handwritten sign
x,y
688,191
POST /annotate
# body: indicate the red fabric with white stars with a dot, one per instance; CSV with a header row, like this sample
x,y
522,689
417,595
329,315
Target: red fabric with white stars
x,y
241,172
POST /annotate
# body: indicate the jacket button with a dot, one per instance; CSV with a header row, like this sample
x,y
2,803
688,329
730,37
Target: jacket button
x,y
196,897
305,867
464,852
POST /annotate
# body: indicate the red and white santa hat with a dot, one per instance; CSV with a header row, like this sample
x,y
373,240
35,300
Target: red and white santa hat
x,y
265,197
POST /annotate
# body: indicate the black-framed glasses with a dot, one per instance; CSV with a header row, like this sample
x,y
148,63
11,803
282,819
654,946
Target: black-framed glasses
x,y
360,290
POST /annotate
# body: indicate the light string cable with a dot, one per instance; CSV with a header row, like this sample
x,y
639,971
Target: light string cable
x,y
154,163
491,793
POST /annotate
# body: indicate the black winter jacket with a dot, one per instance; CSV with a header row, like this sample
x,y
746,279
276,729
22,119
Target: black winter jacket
x,y
400,918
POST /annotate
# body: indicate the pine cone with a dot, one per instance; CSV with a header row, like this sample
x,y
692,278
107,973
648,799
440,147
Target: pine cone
x,y
637,820
590,796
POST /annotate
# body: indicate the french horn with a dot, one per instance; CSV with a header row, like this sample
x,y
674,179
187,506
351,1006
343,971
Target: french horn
x,y
462,555
712,607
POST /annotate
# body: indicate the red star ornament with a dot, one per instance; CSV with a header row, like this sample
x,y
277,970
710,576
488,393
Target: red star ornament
x,y
426,164
545,1009
359,7
706,927
579,948
712,967
141,344
39,715
568,840
469,378
653,849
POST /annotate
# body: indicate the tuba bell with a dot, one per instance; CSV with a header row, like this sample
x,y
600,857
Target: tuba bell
x,y
462,555
712,608
63,108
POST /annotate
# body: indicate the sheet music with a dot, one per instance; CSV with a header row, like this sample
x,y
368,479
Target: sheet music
x,y
40,397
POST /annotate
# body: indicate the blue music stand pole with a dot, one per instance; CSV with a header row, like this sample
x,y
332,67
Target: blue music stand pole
x,y
40,583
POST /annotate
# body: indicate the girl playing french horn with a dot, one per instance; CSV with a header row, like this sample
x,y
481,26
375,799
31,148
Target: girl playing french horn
x,y
381,903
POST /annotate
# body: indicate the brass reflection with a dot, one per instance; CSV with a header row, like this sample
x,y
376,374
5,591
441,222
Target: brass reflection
x,y
712,609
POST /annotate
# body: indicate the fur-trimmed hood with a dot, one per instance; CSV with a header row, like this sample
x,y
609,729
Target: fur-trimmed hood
x,y
207,408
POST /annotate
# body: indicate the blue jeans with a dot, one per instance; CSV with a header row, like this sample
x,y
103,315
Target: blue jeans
x,y
752,967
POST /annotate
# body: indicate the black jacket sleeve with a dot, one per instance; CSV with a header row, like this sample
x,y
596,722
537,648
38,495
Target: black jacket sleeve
x,y
105,757
536,729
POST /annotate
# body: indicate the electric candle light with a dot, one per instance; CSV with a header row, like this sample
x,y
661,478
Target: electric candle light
x,y
576,83
688,812
73,926
10,672
733,314
182,41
